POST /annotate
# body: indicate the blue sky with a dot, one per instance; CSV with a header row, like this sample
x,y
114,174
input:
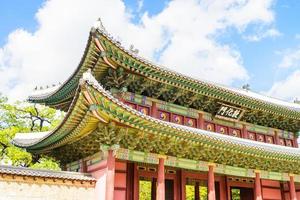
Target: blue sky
x,y
260,59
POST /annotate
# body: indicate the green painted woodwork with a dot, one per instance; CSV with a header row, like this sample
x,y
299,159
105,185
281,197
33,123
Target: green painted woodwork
x,y
132,130
150,158
142,77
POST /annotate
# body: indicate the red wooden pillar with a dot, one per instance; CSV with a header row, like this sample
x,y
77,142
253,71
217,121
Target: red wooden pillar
x,y
110,177
258,195
154,109
83,166
244,131
211,182
160,190
292,188
200,123
295,141
276,138
223,188
183,183
135,183
197,195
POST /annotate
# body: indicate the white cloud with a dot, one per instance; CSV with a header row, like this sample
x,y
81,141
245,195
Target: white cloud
x,y
181,37
288,89
291,58
270,33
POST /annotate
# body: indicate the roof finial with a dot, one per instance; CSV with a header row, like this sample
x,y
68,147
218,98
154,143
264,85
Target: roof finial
x,y
99,25
133,50
246,87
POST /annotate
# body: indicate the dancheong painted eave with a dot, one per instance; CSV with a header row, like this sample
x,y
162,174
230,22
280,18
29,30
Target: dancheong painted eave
x,y
93,105
103,52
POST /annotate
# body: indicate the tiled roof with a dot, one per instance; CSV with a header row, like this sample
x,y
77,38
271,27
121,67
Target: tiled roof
x,y
22,171
211,136
249,95
217,137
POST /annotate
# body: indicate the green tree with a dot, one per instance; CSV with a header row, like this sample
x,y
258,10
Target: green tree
x,y
22,117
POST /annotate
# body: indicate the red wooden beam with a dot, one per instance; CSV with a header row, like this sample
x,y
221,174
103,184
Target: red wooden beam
x,y
211,182
292,188
160,192
200,123
258,195
110,177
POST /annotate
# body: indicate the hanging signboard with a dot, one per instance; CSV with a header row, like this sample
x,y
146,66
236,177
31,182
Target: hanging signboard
x,y
229,112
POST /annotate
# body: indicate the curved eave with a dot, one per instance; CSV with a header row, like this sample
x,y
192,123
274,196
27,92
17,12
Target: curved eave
x,y
78,122
139,65
61,97
100,46
93,104
120,112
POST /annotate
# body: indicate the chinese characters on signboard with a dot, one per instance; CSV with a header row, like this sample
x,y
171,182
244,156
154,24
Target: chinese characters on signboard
x,y
229,112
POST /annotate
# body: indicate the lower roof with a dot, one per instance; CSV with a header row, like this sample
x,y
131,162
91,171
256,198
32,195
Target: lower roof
x,y
94,109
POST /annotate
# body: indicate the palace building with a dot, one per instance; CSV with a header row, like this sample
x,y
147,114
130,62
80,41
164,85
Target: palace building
x,y
145,132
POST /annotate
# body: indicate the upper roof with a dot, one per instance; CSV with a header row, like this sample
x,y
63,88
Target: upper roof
x,y
99,105
103,52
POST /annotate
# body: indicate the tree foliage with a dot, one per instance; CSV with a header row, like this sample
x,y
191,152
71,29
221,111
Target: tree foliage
x,y
22,117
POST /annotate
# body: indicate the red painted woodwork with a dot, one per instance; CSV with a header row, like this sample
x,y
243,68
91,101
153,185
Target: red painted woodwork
x,y
235,132
162,115
129,181
152,174
293,195
154,110
222,184
153,188
120,180
260,137
197,195
131,105
295,142
135,183
211,183
276,138
269,139
177,119
121,166
201,121
160,192
238,184
183,183
271,193
110,176
83,166
270,183
244,131
281,142
258,195
191,122
209,126
96,167
251,135
143,109
288,143
221,129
